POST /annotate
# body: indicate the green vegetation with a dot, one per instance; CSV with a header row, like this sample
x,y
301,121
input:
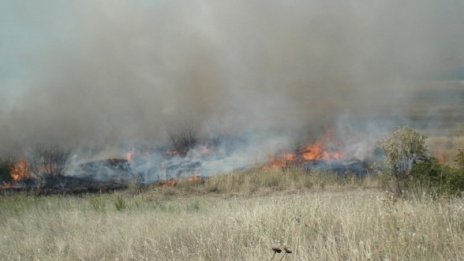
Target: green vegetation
x,y
410,169
402,150
437,179
119,203
97,203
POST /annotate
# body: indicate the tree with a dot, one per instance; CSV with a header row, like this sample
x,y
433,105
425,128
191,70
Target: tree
x,y
404,148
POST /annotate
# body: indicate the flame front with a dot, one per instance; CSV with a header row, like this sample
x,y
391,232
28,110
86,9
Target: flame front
x,y
317,151
321,149
19,171
280,162
313,152
130,154
440,157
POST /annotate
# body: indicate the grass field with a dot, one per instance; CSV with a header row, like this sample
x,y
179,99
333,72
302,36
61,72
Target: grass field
x,y
242,219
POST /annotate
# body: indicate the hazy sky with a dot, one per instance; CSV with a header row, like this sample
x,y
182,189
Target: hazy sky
x,y
107,70
28,28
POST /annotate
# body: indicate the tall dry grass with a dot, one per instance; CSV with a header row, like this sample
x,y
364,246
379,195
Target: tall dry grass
x,y
446,148
269,181
315,224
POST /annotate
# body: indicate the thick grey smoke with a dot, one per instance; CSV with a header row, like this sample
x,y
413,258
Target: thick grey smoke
x,y
135,71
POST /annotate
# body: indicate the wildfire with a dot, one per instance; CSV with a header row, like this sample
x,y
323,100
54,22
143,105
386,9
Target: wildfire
x,y
204,150
440,158
280,162
318,151
321,149
201,150
170,183
173,153
19,171
130,154
194,179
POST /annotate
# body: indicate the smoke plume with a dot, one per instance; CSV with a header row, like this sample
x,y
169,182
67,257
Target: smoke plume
x,y
125,72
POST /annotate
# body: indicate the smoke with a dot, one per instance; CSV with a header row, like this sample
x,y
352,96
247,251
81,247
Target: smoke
x,y
125,72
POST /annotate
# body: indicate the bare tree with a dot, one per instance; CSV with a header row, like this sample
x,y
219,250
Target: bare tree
x,y
48,160
182,141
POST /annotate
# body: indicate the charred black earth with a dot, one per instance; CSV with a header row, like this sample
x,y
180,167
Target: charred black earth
x,y
96,176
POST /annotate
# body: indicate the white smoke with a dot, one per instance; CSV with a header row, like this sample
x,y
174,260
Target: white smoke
x,y
128,72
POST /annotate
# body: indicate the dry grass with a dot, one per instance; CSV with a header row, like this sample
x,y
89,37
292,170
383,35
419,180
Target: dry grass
x,y
271,181
446,147
315,224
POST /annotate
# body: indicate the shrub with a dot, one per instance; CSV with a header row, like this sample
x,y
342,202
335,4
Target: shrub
x,y
182,141
402,150
48,160
438,179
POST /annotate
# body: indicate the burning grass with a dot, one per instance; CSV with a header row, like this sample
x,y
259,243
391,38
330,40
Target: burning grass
x,y
348,224
257,214
446,148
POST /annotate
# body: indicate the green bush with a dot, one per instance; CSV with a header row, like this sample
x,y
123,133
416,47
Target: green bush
x,y
438,179
403,149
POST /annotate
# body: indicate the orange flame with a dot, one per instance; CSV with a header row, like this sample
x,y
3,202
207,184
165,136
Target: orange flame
x,y
194,179
130,154
172,153
440,158
170,183
204,150
280,162
313,151
319,150
19,171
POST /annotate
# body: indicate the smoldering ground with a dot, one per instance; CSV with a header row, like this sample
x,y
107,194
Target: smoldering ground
x,y
120,72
